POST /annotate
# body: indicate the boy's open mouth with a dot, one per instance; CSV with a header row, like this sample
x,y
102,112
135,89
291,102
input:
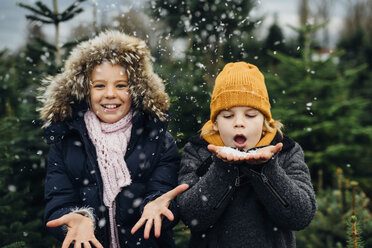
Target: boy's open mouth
x,y
240,141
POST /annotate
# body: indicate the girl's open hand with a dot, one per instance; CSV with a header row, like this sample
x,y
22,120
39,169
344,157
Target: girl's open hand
x,y
258,156
155,210
80,230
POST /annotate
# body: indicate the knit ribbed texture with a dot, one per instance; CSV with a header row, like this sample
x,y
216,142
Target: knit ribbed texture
x,y
238,84
111,141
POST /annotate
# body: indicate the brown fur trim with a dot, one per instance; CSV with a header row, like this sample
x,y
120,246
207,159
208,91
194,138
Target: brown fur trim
x,y
146,87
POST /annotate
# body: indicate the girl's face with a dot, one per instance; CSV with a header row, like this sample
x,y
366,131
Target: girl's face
x,y
109,92
240,127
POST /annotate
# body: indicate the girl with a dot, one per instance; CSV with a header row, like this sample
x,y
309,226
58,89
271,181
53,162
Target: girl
x,y
110,159
253,198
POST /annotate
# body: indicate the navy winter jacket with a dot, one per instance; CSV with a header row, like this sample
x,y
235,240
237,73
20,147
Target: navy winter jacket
x,y
73,178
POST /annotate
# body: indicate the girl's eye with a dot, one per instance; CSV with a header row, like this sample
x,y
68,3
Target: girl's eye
x,y
227,116
250,115
122,85
98,86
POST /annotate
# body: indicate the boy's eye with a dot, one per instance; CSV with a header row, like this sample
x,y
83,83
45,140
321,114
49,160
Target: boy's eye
x,y
227,116
250,115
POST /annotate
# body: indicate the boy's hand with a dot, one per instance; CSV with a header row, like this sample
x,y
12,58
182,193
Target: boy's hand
x,y
155,210
258,156
80,230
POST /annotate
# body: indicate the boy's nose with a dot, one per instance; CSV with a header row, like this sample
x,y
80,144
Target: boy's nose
x,y
238,121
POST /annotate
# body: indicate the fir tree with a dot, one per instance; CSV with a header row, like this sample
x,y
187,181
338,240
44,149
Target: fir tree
x,y
215,33
274,42
313,99
22,147
335,216
354,240
45,15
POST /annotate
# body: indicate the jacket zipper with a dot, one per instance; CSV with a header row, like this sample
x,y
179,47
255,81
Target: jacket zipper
x,y
228,191
266,182
223,198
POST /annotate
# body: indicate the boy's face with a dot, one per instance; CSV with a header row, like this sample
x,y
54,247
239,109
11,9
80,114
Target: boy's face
x,y
240,127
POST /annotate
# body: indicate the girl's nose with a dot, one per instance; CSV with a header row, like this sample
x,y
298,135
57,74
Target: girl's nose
x,y
110,92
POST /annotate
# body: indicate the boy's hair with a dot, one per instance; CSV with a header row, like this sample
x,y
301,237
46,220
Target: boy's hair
x,y
271,126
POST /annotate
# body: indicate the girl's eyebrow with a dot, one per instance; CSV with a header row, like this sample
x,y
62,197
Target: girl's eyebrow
x,y
105,81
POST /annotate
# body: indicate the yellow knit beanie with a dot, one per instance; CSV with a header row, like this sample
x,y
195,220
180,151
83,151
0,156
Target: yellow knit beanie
x,y
238,84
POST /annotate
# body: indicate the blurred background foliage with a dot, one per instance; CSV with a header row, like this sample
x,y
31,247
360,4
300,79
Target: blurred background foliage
x,y
322,94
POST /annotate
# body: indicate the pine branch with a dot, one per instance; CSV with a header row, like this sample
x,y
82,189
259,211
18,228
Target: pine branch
x,y
69,16
43,42
47,12
35,18
73,8
16,245
73,43
30,8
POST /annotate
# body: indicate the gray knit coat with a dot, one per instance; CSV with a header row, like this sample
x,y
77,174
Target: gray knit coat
x,y
240,205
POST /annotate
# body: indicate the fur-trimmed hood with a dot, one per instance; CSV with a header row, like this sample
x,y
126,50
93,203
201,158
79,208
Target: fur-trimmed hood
x,y
147,89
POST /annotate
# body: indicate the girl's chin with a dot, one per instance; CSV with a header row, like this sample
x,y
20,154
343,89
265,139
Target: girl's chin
x,y
110,117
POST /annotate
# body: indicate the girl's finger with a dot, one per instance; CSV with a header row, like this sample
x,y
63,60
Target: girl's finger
x,y
138,225
66,243
57,222
176,191
87,244
157,226
148,227
167,213
96,243
77,244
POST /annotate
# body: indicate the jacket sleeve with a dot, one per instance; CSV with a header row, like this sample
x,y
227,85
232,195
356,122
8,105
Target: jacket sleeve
x,y
284,187
60,195
164,178
204,202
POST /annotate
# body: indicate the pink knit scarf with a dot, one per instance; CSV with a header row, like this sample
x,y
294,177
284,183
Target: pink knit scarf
x,y
111,141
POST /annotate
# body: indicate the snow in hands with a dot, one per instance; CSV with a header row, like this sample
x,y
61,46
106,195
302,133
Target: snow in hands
x,y
234,152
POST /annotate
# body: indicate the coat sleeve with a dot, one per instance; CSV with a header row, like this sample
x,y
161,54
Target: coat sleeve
x,y
204,202
164,178
284,187
60,194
